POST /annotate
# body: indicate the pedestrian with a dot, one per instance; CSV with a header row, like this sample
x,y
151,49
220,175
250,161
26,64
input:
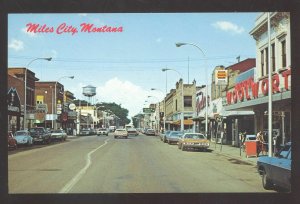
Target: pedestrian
x,y
260,143
277,144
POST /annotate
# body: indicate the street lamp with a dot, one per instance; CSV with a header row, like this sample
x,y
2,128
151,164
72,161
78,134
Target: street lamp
x,y
182,114
206,91
25,86
55,99
154,89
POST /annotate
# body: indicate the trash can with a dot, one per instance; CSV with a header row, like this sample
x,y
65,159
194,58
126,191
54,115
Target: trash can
x,y
251,148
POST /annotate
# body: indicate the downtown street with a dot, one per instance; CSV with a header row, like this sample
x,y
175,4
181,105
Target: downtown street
x,y
139,164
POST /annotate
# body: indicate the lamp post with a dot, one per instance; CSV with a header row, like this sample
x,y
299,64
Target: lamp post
x,y
55,95
164,118
206,91
182,114
25,86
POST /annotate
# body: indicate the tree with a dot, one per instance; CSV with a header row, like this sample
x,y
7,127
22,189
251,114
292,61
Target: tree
x,y
117,110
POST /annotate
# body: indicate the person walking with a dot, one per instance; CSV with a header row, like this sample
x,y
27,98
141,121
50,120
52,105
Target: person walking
x,y
260,143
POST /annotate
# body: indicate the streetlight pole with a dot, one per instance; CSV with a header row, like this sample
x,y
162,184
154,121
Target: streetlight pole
x,y
154,89
206,91
25,87
182,114
55,95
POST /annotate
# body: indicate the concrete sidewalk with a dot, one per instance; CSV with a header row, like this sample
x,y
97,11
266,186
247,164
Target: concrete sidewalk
x,y
232,152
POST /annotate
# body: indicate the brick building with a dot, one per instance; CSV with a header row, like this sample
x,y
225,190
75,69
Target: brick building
x,y
16,79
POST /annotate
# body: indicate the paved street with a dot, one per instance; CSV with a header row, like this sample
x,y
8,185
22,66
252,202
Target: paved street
x,y
141,164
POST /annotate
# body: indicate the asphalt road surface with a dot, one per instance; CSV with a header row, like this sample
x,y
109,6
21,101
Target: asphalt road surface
x,y
139,164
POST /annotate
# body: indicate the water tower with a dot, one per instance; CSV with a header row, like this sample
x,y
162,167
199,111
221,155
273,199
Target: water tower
x,y
89,91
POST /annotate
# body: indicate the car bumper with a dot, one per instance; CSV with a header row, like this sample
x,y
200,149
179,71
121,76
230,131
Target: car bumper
x,y
199,145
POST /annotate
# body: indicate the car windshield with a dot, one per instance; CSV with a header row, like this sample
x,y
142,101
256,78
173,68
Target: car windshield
x,y
20,133
285,150
35,130
194,136
176,134
120,130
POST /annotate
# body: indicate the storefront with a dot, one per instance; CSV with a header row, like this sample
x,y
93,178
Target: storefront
x,y
250,95
14,110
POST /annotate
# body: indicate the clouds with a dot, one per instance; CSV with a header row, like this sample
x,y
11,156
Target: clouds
x,y
30,34
129,95
17,45
228,27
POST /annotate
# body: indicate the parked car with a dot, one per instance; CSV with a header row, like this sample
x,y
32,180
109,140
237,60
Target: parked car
x,y
174,136
58,135
11,141
193,140
276,171
102,131
93,131
150,132
163,134
164,137
132,131
40,134
23,137
85,131
121,133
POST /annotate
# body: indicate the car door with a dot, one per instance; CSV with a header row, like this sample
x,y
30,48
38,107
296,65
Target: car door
x,y
281,169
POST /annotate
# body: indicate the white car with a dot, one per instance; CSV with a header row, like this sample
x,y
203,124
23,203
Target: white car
x,y
58,135
102,131
121,133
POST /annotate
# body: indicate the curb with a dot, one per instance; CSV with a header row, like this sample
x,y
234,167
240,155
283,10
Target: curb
x,y
237,158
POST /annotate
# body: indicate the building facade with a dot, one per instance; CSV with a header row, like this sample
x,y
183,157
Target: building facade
x,y
15,78
252,92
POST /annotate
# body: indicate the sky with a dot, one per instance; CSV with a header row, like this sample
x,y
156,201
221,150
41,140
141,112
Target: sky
x,y
125,65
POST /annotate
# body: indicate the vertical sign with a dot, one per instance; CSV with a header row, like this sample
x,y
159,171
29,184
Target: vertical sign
x,y
221,77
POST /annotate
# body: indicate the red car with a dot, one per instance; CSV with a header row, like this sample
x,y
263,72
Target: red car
x,y
11,141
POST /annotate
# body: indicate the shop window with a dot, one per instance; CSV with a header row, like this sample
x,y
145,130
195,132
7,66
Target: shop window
x,y
188,101
273,57
262,62
283,53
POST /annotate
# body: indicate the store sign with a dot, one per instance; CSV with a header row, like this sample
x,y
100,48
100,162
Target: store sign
x,y
249,89
201,101
13,101
221,77
148,110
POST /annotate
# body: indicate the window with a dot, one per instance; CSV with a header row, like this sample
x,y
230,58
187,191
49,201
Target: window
x,y
273,57
262,61
283,53
267,61
176,105
188,101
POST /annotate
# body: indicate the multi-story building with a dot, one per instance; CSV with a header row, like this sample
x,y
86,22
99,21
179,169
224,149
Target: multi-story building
x,y
252,93
19,73
174,107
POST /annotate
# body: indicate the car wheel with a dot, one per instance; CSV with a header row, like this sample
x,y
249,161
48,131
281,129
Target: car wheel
x,y
115,137
179,146
267,184
183,148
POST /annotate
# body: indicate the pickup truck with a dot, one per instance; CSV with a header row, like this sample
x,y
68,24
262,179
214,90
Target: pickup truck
x,y
40,135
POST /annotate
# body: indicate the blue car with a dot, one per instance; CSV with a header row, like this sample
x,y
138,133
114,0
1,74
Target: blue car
x,y
276,171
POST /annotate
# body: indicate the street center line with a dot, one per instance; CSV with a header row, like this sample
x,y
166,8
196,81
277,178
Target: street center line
x,y
79,175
